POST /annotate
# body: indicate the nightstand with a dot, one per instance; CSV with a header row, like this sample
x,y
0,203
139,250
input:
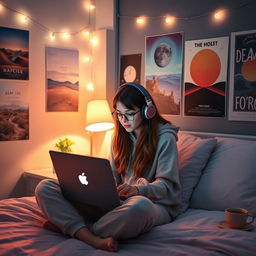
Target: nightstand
x,y
33,177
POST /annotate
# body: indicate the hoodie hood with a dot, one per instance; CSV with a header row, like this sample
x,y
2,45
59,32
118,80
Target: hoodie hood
x,y
169,128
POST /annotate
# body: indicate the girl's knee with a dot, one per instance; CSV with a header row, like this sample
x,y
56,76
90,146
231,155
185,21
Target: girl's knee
x,y
45,187
140,206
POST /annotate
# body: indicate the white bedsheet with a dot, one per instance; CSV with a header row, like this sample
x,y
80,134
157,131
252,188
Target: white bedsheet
x,y
195,232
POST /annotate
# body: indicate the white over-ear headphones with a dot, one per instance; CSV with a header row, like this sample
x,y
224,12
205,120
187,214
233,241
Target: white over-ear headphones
x,y
148,110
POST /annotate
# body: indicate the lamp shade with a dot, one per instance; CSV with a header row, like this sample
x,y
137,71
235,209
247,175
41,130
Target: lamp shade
x,y
98,116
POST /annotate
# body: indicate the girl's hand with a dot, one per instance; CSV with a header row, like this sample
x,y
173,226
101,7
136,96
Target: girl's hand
x,y
125,190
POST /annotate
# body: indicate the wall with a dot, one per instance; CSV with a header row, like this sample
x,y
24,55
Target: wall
x,y
132,41
47,127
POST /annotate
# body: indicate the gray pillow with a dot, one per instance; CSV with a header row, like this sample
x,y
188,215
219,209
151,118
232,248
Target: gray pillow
x,y
193,155
229,179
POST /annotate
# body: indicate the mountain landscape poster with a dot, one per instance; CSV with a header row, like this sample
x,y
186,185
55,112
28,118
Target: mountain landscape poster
x,y
14,53
242,89
62,72
163,71
205,77
14,111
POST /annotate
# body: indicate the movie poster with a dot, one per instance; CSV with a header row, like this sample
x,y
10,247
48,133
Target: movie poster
x,y
62,71
14,54
205,77
14,111
163,71
242,89
130,68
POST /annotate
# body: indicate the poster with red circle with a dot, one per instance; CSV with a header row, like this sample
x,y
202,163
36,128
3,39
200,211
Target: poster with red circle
x,y
205,77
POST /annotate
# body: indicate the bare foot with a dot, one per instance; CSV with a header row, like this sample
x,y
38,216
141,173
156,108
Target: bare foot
x,y
107,244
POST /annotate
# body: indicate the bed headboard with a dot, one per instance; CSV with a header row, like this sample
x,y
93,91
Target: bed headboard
x,y
223,135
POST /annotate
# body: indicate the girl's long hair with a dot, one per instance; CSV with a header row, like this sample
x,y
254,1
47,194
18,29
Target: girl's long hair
x,y
146,143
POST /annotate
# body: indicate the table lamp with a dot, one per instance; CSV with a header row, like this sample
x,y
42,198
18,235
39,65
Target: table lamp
x,y
98,118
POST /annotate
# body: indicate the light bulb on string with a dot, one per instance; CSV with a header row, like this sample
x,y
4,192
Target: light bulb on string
x,y
90,86
170,20
140,20
86,59
219,15
66,35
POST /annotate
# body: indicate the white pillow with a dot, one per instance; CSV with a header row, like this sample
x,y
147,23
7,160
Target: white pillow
x,y
193,155
229,179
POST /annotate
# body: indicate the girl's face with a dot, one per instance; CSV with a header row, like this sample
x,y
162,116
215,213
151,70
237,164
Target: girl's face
x,y
130,119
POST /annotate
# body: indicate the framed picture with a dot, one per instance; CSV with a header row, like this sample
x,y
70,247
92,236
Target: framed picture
x,y
205,77
130,68
62,80
242,88
163,71
14,53
14,111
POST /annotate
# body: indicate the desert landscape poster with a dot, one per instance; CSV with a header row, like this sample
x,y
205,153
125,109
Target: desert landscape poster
x,y
62,74
14,53
14,111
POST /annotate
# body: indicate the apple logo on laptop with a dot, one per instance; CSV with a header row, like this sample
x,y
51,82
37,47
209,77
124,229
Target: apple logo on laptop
x,y
83,179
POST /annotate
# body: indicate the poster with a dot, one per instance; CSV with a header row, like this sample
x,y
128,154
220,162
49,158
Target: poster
x,y
242,88
205,77
62,71
14,111
14,54
163,71
130,68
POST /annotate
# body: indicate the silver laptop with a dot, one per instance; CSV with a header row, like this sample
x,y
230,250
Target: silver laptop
x,y
86,181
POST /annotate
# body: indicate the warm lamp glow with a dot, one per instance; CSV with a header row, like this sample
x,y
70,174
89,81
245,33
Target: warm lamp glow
x,y
98,116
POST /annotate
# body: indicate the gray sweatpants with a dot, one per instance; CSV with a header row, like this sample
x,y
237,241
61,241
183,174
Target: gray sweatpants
x,y
134,216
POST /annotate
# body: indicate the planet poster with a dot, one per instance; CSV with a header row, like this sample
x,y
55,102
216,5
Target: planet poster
x,y
163,71
14,53
62,73
205,77
242,89
14,111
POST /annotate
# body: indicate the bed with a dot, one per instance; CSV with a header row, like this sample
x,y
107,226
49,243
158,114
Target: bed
x,y
216,172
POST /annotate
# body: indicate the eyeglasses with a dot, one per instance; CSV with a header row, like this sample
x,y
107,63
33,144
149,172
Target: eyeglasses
x,y
127,116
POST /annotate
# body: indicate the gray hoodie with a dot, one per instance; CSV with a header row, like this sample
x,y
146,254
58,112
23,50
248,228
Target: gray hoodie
x,y
160,182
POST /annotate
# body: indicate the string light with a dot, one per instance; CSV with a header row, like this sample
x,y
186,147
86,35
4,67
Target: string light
x,y
25,19
52,36
140,20
66,35
219,15
90,87
91,7
94,41
86,59
170,20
